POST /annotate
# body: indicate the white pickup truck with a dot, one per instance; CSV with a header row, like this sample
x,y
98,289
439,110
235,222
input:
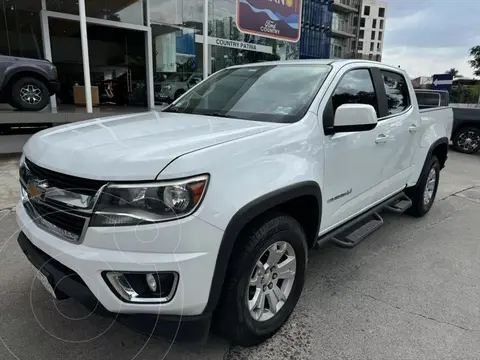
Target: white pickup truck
x,y
205,213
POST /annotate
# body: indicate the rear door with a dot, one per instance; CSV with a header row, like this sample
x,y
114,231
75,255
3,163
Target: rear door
x,y
397,128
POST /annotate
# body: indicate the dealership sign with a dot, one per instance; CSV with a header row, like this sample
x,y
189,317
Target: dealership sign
x,y
240,45
277,19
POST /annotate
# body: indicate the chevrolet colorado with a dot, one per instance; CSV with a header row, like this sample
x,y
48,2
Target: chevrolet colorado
x,y
204,213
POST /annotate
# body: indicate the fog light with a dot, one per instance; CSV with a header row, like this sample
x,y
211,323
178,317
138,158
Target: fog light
x,y
144,287
151,282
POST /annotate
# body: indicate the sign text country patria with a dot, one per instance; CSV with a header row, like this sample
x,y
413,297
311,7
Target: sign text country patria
x,y
236,44
277,19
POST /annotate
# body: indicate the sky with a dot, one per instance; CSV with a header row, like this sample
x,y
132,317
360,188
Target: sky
x,y
427,37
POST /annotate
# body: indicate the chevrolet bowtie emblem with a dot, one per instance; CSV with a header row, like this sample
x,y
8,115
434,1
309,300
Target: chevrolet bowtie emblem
x,y
36,189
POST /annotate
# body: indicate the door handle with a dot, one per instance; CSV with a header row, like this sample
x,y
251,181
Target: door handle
x,y
413,128
381,139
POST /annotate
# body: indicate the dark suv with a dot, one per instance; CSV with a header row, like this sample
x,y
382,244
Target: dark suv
x,y
27,84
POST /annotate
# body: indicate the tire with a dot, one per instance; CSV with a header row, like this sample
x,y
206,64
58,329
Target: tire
x,y
420,207
35,99
233,318
467,140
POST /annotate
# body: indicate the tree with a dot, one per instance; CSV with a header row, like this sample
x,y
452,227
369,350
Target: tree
x,y
475,63
453,72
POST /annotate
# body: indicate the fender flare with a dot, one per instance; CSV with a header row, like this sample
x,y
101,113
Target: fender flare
x,y
438,142
19,69
242,217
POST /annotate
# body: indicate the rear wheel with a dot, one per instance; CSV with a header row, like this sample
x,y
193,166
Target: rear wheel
x,y
467,140
29,94
264,281
423,194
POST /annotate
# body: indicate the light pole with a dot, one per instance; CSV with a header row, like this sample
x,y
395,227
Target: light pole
x,y
205,39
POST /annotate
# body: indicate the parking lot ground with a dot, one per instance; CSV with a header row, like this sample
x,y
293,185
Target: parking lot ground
x,y
410,291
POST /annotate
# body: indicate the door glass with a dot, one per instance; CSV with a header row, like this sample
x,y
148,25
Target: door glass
x,y
397,92
356,87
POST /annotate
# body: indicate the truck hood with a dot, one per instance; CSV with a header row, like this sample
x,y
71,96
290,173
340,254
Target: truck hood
x,y
134,146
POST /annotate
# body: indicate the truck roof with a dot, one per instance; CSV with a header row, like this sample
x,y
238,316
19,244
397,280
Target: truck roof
x,y
335,63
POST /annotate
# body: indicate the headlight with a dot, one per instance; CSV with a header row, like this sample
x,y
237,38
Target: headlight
x,y
135,204
167,87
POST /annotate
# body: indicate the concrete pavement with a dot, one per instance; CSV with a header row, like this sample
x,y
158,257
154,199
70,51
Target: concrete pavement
x,y
410,291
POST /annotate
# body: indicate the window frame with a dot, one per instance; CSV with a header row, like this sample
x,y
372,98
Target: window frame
x,y
365,8
362,20
374,23
379,10
408,108
328,114
372,35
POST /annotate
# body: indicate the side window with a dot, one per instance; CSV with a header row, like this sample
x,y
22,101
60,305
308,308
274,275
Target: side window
x,y
397,92
356,87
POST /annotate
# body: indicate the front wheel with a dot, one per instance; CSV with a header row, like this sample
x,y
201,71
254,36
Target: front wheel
x,y
264,281
29,94
467,140
423,194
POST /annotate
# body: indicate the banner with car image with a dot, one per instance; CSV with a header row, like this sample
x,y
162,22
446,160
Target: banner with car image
x,y
277,19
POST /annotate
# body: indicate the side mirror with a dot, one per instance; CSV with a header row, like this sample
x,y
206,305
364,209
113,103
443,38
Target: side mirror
x,y
354,117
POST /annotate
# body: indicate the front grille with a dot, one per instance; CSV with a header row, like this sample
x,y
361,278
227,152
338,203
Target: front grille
x,y
65,224
62,181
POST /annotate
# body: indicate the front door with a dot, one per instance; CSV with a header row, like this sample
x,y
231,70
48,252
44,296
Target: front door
x,y
354,160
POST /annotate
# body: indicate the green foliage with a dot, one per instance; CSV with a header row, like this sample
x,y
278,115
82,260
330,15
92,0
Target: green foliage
x,y
465,94
453,72
475,63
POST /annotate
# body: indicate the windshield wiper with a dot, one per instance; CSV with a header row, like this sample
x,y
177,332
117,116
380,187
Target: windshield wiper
x,y
217,114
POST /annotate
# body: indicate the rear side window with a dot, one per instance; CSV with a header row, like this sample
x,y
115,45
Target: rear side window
x,y
396,88
356,87
428,100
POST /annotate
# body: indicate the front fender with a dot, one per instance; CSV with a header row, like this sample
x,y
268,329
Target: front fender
x,y
246,169
14,69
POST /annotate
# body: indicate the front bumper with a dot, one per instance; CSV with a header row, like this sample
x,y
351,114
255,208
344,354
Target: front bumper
x,y
75,270
67,283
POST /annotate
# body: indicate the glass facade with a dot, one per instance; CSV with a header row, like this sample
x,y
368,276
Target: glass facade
x,y
118,40
177,31
316,29
20,29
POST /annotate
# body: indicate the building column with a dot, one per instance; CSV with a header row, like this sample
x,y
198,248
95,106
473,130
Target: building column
x,y
85,57
149,56
47,48
206,55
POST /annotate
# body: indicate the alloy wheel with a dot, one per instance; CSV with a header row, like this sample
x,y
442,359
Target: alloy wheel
x,y
430,186
31,94
271,281
468,141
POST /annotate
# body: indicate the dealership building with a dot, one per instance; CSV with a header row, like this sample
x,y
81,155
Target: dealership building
x,y
147,52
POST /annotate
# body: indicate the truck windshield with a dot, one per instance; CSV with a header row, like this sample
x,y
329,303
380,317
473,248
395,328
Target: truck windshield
x,y
272,93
